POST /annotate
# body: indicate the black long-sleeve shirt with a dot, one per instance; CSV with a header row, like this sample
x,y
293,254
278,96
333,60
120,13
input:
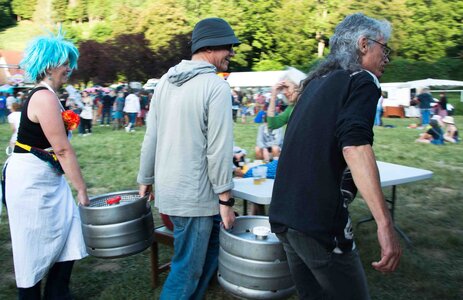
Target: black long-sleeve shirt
x,y
334,111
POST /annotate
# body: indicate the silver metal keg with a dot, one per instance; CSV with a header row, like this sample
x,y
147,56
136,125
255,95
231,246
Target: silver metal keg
x,y
117,224
252,261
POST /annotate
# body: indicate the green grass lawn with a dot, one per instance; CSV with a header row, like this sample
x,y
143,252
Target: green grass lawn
x,y
430,212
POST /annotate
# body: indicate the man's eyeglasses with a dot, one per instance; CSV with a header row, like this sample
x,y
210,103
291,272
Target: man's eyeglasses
x,y
386,50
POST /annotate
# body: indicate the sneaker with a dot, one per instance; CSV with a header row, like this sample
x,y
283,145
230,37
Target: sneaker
x,y
127,129
107,125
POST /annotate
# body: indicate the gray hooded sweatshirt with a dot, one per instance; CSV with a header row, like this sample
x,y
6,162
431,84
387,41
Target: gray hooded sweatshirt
x,y
188,145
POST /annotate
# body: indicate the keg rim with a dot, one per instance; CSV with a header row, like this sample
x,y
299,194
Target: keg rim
x,y
112,194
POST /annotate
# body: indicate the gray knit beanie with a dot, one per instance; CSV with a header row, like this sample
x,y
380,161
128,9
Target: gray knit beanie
x,y
212,32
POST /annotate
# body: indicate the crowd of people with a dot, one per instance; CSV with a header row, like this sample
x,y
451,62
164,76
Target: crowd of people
x,y
120,108
185,161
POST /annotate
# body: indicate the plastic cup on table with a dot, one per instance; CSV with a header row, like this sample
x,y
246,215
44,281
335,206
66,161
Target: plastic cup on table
x,y
259,174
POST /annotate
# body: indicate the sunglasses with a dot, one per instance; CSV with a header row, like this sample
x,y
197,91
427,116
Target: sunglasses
x,y
222,47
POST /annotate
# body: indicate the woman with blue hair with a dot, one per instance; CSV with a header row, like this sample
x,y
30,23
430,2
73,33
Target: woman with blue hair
x,y
45,226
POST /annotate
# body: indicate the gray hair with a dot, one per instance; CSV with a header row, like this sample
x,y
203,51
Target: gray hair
x,y
344,44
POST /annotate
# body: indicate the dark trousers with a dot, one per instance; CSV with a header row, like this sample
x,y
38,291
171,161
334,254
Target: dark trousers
x,y
106,115
86,125
57,286
322,274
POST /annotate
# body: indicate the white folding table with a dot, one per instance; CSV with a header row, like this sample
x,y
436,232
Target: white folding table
x,y
390,175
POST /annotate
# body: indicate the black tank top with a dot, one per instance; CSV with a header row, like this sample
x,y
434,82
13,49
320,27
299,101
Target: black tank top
x,y
30,133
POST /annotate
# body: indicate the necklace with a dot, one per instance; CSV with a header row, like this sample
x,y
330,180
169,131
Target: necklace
x,y
47,86
51,90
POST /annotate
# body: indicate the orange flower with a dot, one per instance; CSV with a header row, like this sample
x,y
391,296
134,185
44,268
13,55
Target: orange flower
x,y
71,119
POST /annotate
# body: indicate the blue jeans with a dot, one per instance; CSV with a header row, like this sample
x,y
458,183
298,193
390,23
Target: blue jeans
x,y
195,260
132,118
425,116
319,273
106,115
379,112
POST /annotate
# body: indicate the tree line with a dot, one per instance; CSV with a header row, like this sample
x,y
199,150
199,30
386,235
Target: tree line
x,y
139,39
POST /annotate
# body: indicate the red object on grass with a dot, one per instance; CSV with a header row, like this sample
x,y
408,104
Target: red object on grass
x,y
114,200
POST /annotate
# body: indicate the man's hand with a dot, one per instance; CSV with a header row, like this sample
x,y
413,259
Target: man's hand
x,y
146,189
390,250
228,216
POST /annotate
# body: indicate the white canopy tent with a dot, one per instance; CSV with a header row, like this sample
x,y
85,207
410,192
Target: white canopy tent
x,y
399,93
254,79
430,82
263,78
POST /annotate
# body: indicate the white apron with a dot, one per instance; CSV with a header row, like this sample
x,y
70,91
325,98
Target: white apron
x,y
44,219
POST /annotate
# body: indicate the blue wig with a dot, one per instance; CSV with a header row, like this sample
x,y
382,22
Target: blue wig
x,y
48,52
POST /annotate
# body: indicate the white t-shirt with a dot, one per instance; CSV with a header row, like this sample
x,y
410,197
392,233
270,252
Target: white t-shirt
x,y
132,104
14,119
9,101
87,112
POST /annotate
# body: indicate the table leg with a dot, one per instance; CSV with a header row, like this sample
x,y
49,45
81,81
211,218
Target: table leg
x,y
245,207
368,219
403,235
392,210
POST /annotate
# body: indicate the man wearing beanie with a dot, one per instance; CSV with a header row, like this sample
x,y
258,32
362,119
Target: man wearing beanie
x,y
186,154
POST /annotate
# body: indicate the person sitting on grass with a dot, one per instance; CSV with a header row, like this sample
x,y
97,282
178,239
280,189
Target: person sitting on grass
x,y
239,155
269,142
451,131
433,135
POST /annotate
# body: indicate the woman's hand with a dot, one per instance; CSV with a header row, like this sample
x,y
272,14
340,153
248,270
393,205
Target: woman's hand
x,y
82,198
278,87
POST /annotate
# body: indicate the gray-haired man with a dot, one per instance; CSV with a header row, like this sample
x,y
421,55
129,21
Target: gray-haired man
x,y
308,212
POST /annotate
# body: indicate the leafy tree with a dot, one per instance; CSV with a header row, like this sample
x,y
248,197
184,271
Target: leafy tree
x,y
98,9
77,11
133,56
125,19
432,29
295,37
24,9
73,33
426,34
6,14
161,20
101,31
178,48
59,10
267,64
253,28
402,69
96,63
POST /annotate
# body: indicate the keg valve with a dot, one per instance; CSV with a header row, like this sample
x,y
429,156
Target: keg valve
x,y
114,200
261,232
